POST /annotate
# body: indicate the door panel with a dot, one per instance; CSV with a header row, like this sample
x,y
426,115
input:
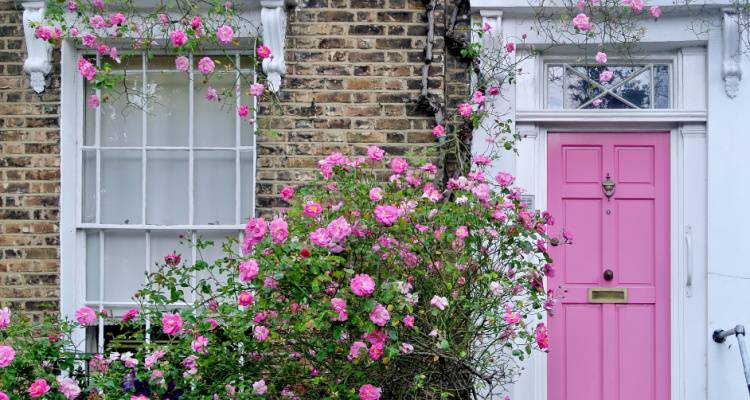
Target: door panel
x,y
610,351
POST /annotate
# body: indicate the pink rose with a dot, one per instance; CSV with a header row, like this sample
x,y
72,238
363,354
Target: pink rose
x,y
97,21
504,179
178,38
72,6
409,321
38,388
312,209
605,76
493,91
462,232
380,315
636,5
182,63
87,69
362,285
581,22
287,193
465,110
279,230
439,302
68,387
339,305
511,317
477,97
260,333
206,65
438,131
257,89
85,315
387,214
93,101
225,34
130,315
486,27
255,230
260,388
541,336
7,355
248,270
510,47
263,51
117,18
171,323
4,396
339,229
399,165
601,57
4,317
655,11
199,344
355,349
376,194
320,237
245,298
369,392
211,94
196,22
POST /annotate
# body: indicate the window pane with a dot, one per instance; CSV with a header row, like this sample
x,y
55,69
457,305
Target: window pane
x,y
661,86
579,90
215,120
215,187
163,243
89,131
121,117
637,90
121,187
168,115
608,101
124,264
92,266
555,87
214,253
89,186
247,185
167,187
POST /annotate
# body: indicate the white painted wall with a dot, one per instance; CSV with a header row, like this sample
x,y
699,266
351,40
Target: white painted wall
x,y
728,200
711,193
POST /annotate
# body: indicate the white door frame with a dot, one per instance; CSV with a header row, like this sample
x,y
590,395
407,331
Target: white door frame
x,y
686,123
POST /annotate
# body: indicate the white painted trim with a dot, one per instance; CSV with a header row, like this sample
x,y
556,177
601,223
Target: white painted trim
x,y
687,207
611,116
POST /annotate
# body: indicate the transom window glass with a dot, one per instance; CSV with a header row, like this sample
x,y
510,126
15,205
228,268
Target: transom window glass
x,y
158,162
640,86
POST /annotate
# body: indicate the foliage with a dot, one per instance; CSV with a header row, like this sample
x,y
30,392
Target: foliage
x,y
417,292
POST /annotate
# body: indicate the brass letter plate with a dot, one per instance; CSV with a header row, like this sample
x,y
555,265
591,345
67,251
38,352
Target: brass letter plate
x,y
608,295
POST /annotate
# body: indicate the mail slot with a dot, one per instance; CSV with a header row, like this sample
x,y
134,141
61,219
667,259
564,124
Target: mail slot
x,y
608,295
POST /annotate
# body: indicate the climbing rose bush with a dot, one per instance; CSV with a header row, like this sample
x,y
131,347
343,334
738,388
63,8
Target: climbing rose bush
x,y
361,289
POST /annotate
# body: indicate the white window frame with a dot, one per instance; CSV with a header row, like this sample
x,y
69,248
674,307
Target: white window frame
x,y
73,231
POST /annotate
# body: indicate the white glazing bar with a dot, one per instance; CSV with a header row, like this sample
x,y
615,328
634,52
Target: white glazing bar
x,y
193,253
144,137
191,155
165,148
183,227
100,329
97,142
147,335
237,132
254,131
80,134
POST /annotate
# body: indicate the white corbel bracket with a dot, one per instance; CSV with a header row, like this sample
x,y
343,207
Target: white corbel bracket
x,y
38,52
731,70
273,18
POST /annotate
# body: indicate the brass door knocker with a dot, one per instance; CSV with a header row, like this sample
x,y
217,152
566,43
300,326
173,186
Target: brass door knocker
x,y
608,187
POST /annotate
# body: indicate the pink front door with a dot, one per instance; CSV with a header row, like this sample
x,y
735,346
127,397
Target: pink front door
x,y
612,342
